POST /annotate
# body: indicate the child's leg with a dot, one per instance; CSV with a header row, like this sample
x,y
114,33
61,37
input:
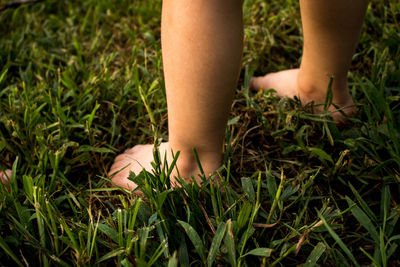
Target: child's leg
x,y
331,31
202,42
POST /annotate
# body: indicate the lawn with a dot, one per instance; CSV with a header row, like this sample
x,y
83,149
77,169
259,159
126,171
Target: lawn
x,y
80,81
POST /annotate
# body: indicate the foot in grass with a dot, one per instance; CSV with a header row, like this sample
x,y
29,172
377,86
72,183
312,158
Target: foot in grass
x,y
5,176
140,157
286,84
133,160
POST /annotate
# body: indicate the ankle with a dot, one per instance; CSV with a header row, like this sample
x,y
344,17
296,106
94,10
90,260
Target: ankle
x,y
188,166
311,89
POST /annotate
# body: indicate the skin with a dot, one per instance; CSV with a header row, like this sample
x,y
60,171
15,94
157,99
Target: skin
x,y
5,176
331,31
202,45
202,42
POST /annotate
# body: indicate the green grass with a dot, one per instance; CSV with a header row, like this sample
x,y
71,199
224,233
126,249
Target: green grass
x,y
81,81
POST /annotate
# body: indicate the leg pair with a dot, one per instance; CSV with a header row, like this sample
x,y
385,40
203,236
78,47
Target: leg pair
x,y
202,42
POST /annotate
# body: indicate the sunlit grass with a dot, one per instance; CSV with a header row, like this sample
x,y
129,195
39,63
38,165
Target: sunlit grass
x,y
80,81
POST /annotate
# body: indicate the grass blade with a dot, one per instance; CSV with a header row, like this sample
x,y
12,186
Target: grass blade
x,y
70,235
338,240
363,219
216,244
248,188
315,254
160,250
363,204
320,154
111,254
9,252
108,231
173,261
93,243
276,199
229,242
261,252
243,217
195,238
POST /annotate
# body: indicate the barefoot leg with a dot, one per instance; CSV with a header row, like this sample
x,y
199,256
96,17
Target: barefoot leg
x,y
202,44
331,31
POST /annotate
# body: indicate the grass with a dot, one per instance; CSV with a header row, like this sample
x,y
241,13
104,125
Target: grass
x,y
82,80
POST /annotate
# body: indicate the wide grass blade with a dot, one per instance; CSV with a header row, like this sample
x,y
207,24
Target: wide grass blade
x,y
320,154
315,254
364,220
111,254
195,238
243,216
249,231
219,235
229,242
108,231
261,252
248,188
363,204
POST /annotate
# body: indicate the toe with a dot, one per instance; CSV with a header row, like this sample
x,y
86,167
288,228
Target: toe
x,y
258,83
5,176
130,150
119,167
254,83
124,183
121,157
135,149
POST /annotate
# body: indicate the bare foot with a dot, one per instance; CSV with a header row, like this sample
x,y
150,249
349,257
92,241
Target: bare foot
x,y
5,176
285,83
134,160
141,156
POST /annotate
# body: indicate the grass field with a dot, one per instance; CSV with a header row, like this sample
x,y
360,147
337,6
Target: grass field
x,y
80,81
